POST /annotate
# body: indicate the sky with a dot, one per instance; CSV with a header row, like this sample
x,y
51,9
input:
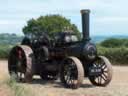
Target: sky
x,y
107,17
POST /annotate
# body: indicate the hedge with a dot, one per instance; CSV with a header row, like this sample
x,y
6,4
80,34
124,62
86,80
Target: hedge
x,y
117,56
4,51
114,43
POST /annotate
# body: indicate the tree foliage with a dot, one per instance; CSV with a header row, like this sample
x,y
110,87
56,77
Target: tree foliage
x,y
49,24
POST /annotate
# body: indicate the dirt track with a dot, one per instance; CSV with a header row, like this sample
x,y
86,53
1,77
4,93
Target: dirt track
x,y
118,86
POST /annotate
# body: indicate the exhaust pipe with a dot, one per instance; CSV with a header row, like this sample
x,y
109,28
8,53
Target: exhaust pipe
x,y
85,24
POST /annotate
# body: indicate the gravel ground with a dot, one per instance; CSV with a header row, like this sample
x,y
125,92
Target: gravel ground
x,y
38,87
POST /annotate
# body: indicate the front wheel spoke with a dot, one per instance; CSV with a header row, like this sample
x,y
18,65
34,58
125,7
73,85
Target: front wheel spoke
x,y
103,78
94,65
95,78
105,75
97,64
104,67
105,71
99,80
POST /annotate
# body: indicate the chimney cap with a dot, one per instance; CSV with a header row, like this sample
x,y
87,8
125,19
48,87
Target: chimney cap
x,y
85,11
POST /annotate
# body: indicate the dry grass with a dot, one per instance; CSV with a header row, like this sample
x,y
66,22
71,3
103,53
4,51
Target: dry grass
x,y
4,90
118,86
8,86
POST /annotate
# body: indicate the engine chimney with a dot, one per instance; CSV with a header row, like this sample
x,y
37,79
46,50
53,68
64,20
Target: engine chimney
x,y
85,24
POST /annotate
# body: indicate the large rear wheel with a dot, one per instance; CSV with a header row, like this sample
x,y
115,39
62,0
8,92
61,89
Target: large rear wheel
x,y
20,63
72,72
105,76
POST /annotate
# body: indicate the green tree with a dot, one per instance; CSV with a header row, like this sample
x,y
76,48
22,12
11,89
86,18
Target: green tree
x,y
49,24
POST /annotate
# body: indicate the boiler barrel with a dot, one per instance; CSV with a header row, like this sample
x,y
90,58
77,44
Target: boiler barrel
x,y
75,50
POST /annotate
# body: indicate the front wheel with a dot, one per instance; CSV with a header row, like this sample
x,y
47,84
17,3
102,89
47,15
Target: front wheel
x,y
72,72
105,76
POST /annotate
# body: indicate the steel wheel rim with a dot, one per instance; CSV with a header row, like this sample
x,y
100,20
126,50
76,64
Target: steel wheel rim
x,y
18,66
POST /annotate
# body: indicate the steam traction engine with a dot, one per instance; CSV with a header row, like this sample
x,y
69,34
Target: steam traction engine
x,y
63,57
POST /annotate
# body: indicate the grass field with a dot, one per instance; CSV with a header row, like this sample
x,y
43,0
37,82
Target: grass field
x,y
38,87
